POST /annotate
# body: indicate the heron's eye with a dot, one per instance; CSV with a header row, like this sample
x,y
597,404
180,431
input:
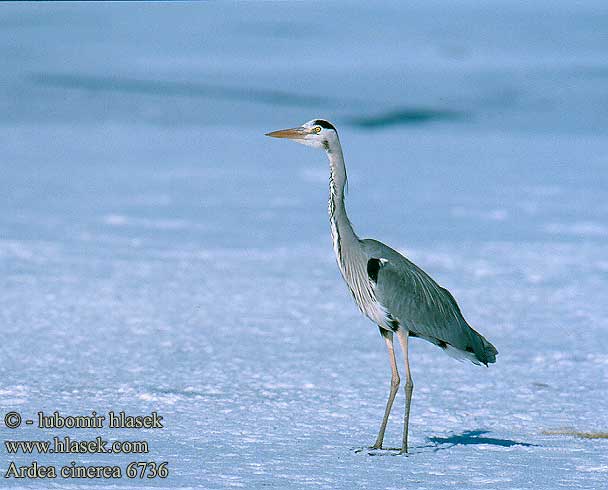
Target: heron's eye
x,y
317,129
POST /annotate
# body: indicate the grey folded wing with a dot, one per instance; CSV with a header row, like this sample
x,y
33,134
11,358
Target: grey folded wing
x,y
422,306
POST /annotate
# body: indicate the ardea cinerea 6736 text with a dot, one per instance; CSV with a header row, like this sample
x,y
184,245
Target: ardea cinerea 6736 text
x,y
390,290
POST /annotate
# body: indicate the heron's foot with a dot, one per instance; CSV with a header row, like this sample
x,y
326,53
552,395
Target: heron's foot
x,y
404,451
383,450
377,445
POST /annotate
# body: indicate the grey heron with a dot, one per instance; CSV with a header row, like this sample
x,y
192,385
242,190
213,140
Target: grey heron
x,y
394,293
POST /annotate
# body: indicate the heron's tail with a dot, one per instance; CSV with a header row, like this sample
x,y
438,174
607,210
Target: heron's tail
x,y
476,349
485,352
466,345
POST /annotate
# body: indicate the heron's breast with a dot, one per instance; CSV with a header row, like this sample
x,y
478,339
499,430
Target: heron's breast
x,y
363,294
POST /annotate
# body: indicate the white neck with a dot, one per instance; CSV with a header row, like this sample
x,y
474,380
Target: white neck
x,y
341,228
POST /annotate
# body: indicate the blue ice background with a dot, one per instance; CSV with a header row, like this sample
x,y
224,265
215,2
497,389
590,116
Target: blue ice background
x,y
158,253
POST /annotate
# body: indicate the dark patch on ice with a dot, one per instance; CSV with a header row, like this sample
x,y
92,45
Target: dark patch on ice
x,y
471,437
405,116
179,89
591,71
540,386
183,393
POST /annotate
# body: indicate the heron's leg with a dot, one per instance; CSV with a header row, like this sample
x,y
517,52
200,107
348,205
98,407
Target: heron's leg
x,y
409,385
388,337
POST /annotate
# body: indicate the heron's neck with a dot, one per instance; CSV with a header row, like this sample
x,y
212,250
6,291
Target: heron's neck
x,y
341,229
350,255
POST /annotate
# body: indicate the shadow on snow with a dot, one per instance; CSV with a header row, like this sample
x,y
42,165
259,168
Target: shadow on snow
x,y
471,437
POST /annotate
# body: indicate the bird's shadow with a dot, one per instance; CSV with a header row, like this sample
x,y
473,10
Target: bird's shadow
x,y
467,438
471,437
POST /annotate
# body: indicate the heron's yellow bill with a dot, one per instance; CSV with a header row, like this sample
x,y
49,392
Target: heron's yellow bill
x,y
293,133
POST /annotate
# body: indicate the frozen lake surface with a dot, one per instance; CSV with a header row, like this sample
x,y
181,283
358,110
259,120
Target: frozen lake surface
x,y
157,252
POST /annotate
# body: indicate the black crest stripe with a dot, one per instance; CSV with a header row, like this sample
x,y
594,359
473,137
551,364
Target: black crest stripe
x,y
324,124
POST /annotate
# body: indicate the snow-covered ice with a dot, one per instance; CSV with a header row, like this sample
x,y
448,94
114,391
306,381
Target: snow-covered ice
x,y
157,252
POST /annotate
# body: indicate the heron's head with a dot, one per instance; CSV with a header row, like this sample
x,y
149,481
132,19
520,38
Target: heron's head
x,y
317,133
